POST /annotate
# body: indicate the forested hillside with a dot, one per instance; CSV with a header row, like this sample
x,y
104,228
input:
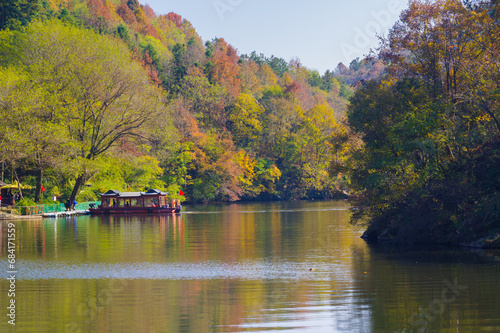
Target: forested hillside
x,y
107,94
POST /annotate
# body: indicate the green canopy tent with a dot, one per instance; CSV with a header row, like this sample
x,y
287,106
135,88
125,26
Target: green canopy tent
x,y
15,186
6,191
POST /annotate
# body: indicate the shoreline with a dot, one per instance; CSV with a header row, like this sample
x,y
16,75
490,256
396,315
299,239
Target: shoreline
x,y
9,217
490,241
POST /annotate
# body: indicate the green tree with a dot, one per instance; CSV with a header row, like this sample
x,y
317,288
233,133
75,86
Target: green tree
x,y
35,136
278,65
406,133
246,117
98,90
17,13
206,100
314,78
178,68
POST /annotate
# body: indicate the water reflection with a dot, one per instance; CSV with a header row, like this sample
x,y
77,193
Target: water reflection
x,y
241,268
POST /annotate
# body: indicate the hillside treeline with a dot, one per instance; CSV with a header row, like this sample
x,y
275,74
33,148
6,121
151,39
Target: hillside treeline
x,y
104,94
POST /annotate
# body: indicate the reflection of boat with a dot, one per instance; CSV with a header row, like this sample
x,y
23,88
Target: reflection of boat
x,y
150,202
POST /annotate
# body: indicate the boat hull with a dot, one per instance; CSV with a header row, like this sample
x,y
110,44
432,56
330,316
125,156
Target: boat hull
x,y
134,210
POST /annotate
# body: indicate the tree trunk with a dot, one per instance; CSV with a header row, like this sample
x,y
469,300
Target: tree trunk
x,y
38,190
19,186
79,182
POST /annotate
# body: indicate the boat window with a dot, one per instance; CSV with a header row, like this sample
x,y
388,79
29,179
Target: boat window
x,y
148,202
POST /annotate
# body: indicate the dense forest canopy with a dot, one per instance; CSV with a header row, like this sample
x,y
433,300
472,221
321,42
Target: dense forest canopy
x,y
100,94
429,166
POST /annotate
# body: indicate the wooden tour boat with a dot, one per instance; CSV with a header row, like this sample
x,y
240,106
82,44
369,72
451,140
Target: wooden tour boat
x,y
150,202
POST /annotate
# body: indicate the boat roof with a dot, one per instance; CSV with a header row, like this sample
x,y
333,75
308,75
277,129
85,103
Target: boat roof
x,y
115,193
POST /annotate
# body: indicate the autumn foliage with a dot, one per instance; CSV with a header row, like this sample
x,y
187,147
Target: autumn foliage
x,y
229,126
428,169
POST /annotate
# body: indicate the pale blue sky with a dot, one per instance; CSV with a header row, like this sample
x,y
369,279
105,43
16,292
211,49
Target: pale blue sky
x,y
320,33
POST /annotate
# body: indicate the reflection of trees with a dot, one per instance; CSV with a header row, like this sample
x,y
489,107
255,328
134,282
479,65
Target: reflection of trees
x,y
409,288
104,238
296,233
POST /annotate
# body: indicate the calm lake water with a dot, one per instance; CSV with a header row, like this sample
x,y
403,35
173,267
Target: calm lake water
x,y
240,268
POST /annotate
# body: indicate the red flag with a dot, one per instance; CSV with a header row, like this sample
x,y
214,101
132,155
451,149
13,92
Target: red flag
x,y
129,188
181,193
43,189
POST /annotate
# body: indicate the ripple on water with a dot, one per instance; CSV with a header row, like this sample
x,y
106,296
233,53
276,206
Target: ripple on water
x,y
245,270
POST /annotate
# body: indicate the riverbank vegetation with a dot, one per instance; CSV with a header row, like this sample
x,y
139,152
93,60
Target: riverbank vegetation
x,y
101,94
429,166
